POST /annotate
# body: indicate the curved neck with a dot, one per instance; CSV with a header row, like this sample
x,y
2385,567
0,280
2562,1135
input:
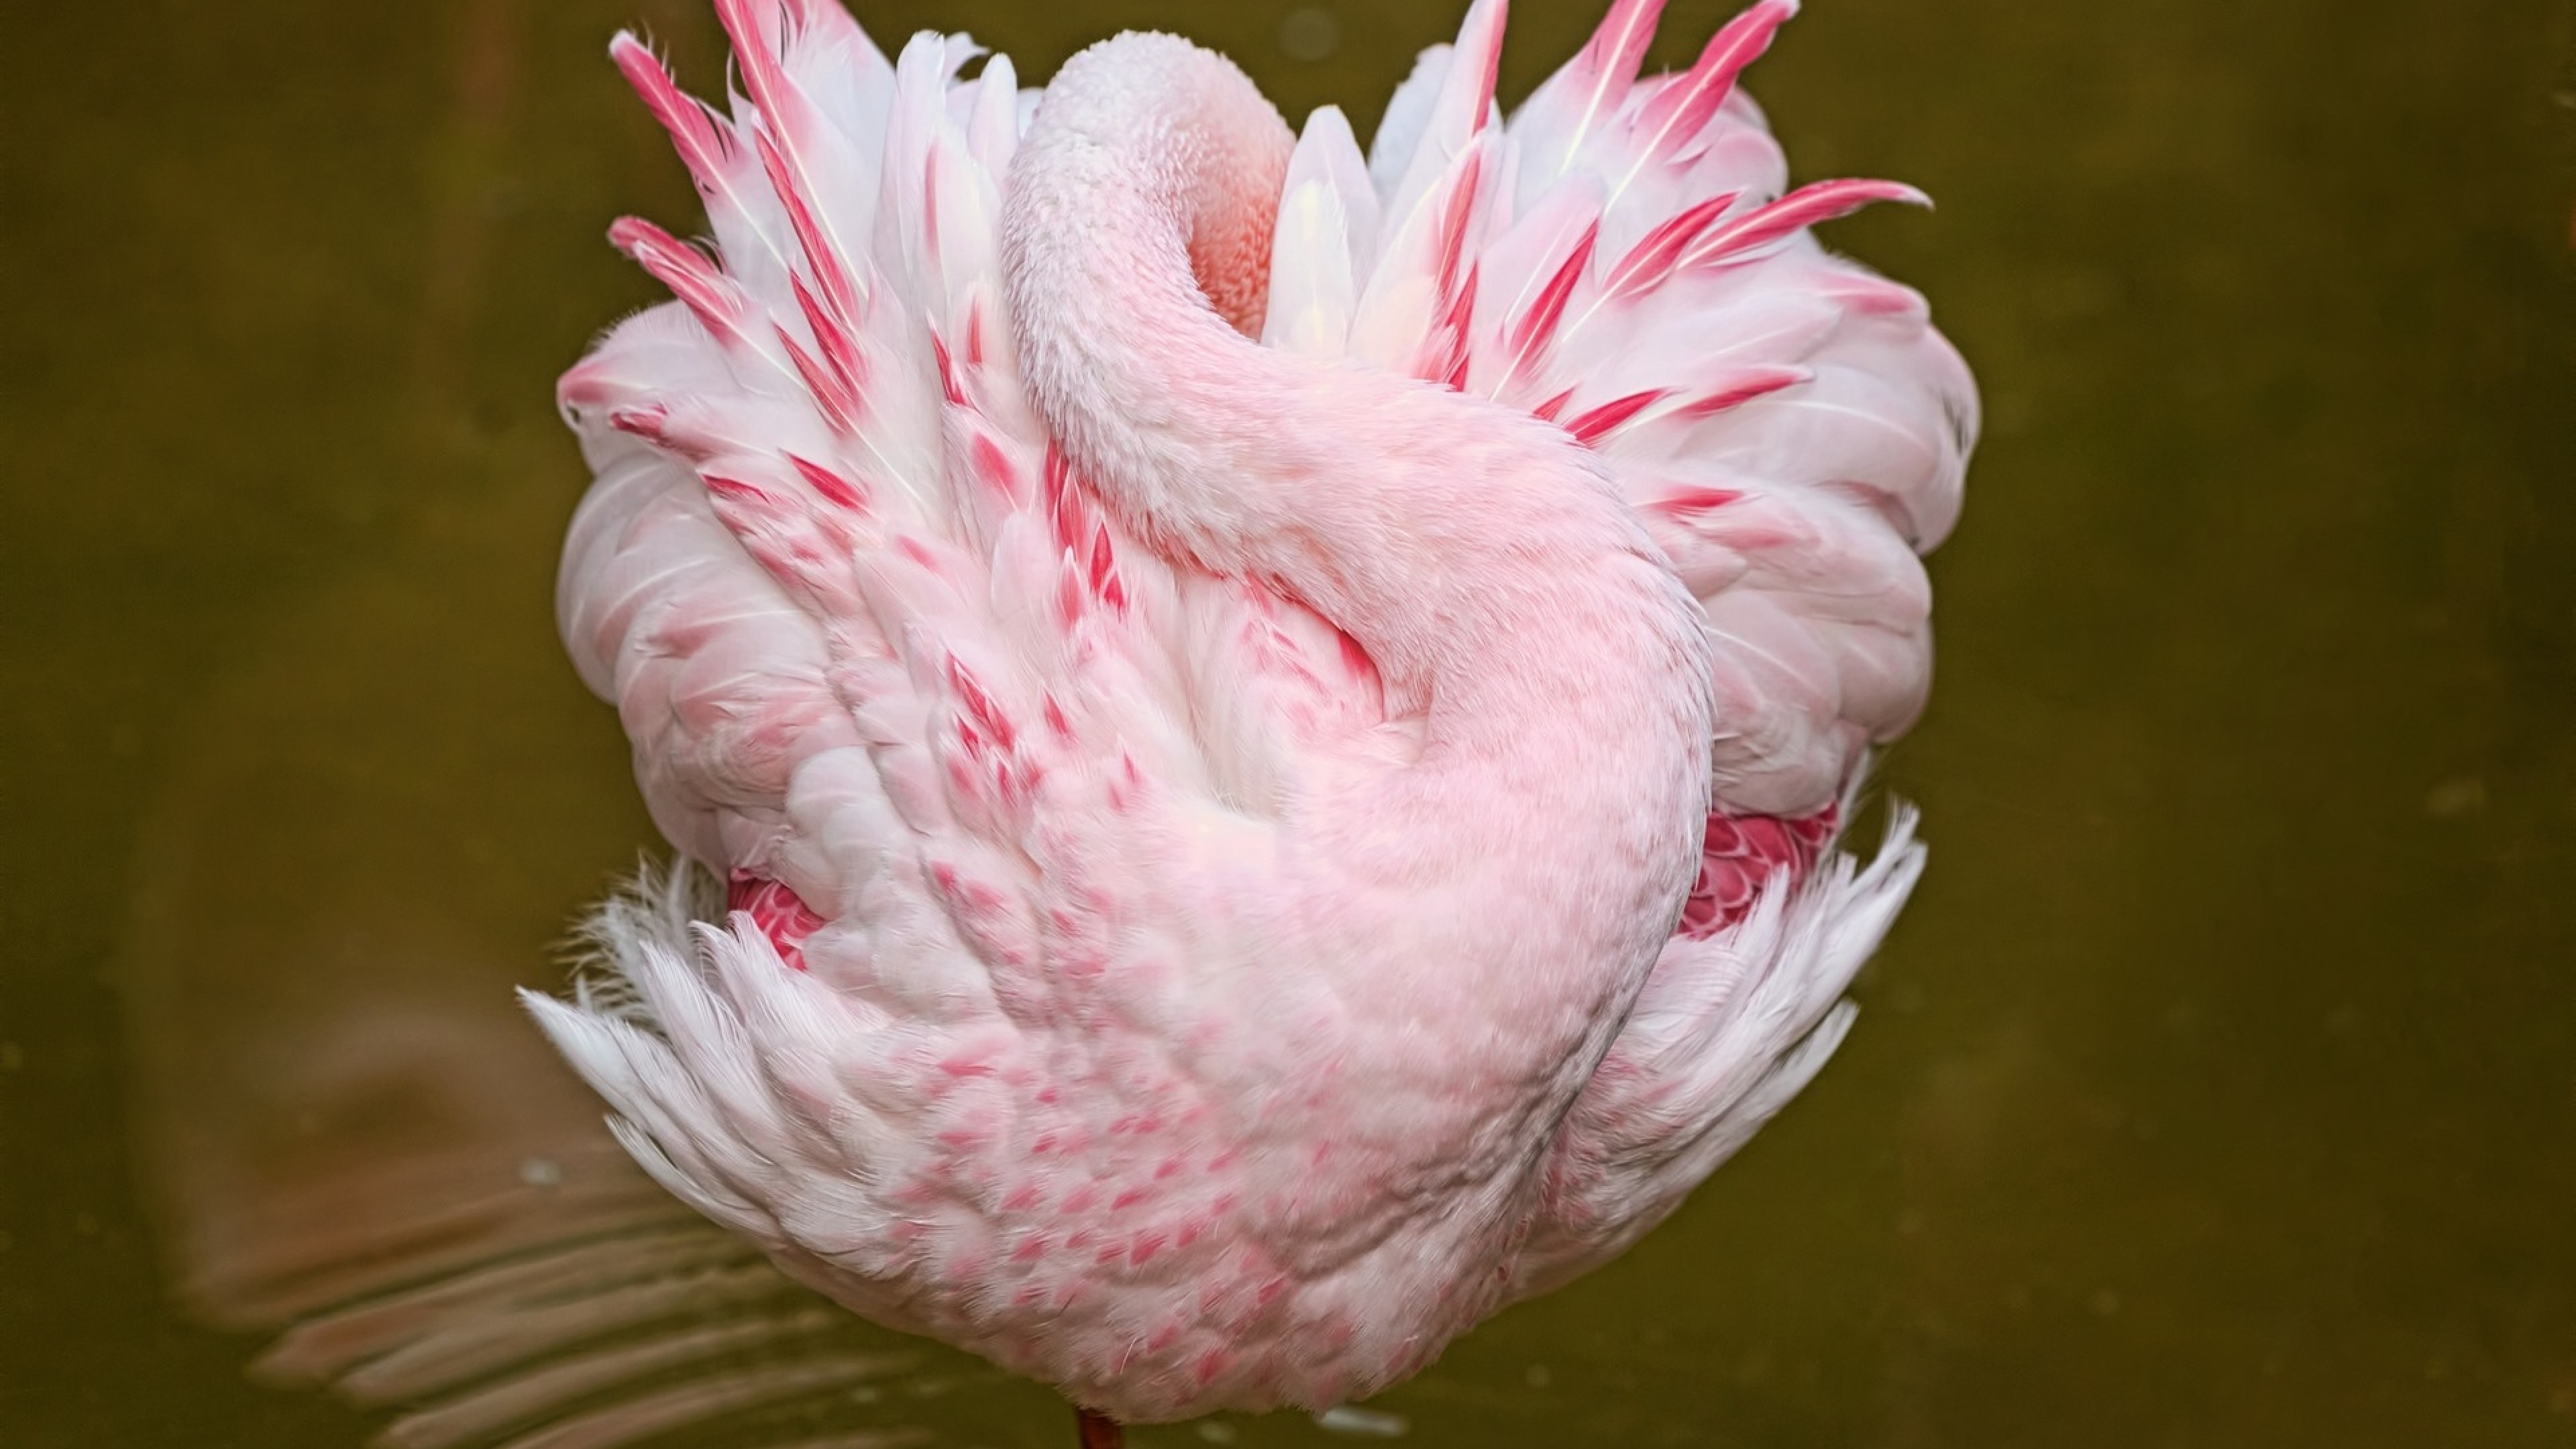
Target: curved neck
x,y
1136,245
1479,555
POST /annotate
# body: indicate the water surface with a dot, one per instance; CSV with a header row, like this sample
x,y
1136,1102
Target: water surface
x,y
2218,1089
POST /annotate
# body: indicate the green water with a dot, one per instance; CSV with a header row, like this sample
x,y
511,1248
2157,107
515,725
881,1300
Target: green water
x,y
2218,1089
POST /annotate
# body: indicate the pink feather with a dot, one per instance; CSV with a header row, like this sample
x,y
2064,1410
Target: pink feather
x,y
1807,206
1679,112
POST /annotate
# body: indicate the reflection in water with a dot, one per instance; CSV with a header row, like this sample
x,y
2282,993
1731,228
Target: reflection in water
x,y
352,1137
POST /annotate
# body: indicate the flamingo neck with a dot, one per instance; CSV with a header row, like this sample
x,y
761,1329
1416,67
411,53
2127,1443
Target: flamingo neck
x,y
1427,525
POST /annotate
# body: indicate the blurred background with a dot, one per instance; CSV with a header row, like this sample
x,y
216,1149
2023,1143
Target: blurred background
x,y
2219,1087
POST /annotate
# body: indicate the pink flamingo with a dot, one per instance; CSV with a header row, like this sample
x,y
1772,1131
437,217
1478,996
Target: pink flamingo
x,y
1275,720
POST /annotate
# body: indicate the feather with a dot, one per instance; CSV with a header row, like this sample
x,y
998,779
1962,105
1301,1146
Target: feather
x,y
1325,241
1407,117
1680,112
1746,236
1585,95
1408,316
1455,114
741,214
1312,292
1530,274
806,158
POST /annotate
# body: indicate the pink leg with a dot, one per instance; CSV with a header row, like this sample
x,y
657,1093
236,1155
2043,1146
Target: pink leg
x,y
1099,1431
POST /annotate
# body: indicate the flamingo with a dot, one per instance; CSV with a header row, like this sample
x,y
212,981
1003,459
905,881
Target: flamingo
x,y
1275,720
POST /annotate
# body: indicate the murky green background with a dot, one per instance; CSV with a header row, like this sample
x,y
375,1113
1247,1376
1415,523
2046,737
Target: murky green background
x,y
2219,1088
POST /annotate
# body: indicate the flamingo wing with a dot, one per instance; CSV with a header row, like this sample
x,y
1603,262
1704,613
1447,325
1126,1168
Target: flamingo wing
x,y
944,727
1625,256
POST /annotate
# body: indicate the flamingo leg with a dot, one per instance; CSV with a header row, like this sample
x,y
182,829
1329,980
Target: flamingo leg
x,y
1099,1431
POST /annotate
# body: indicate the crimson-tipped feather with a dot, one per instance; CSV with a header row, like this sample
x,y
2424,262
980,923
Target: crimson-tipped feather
x,y
797,143
1528,338
1741,387
833,397
1607,65
1680,111
1655,257
1454,345
1480,60
832,486
1459,111
1585,94
1822,201
822,252
840,350
1598,423
703,139
709,148
1445,351
1455,209
710,296
951,385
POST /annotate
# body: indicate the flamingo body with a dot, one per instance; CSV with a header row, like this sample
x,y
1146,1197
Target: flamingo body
x,y
1274,720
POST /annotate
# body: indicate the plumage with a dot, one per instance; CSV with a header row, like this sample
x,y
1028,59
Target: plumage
x,y
1276,721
